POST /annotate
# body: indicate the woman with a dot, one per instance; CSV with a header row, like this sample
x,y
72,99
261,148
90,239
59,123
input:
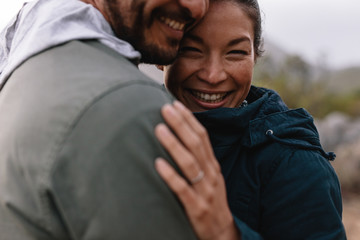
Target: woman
x,y
275,181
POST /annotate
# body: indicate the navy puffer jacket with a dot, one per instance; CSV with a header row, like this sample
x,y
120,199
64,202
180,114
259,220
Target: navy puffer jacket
x,y
280,184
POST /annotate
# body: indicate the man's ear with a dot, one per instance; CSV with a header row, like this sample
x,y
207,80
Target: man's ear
x,y
160,67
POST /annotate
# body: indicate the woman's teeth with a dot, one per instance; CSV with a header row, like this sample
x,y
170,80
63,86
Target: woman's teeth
x,y
209,97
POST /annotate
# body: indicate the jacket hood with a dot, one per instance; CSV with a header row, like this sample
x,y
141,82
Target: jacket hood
x,y
266,118
42,24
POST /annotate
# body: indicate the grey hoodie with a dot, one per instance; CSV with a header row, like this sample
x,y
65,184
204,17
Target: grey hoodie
x,y
42,24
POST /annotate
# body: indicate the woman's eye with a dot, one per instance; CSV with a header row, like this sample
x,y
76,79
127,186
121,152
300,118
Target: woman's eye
x,y
188,49
242,52
189,52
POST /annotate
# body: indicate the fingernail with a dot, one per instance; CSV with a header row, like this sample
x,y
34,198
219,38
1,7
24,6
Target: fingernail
x,y
168,109
165,106
179,104
162,130
160,163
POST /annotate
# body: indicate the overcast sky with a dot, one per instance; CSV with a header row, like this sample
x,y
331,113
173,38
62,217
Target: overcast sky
x,y
315,27
311,28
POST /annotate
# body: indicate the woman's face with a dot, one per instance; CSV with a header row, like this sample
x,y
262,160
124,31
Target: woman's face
x,y
215,62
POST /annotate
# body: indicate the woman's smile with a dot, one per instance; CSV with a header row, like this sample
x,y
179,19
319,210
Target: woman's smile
x,y
208,97
207,100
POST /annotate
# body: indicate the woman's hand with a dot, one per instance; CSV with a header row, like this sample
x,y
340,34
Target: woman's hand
x,y
202,191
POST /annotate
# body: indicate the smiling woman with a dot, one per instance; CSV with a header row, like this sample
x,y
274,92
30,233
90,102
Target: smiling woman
x,y
263,174
215,64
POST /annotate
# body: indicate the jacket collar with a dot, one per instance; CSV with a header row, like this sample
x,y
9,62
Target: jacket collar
x,y
248,126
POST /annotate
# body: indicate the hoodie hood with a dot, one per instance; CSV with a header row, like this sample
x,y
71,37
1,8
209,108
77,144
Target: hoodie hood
x,y
266,118
42,24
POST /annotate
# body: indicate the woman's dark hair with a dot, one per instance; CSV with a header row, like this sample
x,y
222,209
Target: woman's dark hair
x,y
252,9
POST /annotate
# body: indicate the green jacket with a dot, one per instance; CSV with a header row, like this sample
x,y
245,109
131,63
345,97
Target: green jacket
x,y
78,149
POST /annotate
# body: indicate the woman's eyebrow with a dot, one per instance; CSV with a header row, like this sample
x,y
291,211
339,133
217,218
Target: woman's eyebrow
x,y
194,38
238,40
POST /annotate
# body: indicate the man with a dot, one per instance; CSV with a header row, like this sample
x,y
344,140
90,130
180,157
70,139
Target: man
x,y
77,119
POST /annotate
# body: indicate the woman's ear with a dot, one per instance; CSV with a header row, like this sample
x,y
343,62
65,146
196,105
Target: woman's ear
x,y
160,67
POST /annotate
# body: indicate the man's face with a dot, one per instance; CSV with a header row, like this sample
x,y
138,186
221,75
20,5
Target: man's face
x,y
154,27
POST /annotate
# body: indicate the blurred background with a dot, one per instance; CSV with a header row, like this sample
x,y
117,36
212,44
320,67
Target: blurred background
x,y
312,58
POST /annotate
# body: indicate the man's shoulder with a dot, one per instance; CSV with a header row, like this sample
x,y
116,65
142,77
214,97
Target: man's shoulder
x,y
61,86
54,92
77,74
80,58
82,68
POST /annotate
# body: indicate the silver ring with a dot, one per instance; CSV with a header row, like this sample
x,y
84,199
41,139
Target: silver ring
x,y
198,178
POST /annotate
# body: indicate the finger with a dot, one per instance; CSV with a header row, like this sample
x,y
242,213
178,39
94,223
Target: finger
x,y
207,218
199,146
183,158
185,133
187,163
211,164
200,130
178,185
190,118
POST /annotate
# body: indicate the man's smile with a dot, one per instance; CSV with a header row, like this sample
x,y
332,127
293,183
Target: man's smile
x,y
174,24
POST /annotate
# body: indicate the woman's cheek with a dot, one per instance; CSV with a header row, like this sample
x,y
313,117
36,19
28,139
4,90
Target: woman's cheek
x,y
243,73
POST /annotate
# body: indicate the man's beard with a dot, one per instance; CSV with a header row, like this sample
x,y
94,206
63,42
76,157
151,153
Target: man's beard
x,y
135,35
153,54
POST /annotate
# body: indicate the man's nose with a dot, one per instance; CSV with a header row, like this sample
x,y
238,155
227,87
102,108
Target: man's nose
x,y
197,8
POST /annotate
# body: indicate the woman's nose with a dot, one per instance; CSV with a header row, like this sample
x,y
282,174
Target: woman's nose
x,y
212,73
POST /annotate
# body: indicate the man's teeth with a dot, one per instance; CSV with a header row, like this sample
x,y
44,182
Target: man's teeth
x,y
207,97
173,24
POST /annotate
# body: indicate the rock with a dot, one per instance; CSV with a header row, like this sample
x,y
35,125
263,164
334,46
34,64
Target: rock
x,y
341,134
337,129
347,165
